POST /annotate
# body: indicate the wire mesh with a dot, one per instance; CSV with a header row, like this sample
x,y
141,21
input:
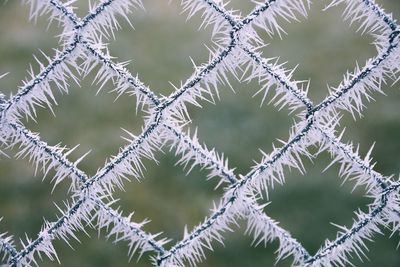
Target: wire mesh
x,y
237,52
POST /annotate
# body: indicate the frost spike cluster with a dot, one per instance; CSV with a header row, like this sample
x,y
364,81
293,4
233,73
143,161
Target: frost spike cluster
x,y
236,52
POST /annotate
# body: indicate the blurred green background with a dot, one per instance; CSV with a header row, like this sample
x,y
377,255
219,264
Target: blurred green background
x,y
160,48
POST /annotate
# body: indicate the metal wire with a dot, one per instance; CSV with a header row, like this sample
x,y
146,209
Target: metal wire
x,y
81,40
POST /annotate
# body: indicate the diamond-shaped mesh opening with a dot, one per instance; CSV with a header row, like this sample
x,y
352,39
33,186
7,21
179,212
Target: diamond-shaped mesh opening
x,y
20,39
25,200
323,46
239,117
162,45
90,118
300,204
170,197
239,250
378,125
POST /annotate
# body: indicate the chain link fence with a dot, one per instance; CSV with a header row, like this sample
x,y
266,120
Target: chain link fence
x,y
236,52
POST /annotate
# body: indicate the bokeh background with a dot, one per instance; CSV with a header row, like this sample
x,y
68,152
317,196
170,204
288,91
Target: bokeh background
x,y
160,48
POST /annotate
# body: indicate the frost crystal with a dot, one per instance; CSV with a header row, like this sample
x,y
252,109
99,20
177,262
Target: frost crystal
x,y
236,52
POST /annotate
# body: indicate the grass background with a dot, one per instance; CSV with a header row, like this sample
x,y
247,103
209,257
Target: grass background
x,y
160,48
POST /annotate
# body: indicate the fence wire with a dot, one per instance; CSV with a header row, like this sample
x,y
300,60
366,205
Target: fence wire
x,y
236,52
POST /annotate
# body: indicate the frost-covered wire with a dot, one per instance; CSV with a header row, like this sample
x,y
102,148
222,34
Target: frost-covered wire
x,y
263,227
7,248
351,240
236,52
64,167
